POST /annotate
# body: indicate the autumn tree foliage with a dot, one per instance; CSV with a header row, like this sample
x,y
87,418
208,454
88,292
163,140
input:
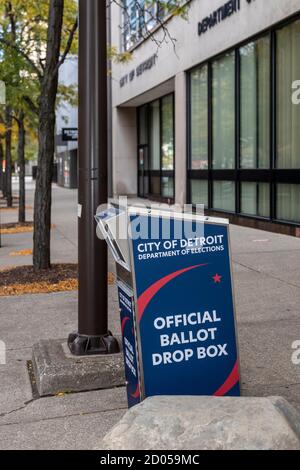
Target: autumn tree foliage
x,y
35,40
37,37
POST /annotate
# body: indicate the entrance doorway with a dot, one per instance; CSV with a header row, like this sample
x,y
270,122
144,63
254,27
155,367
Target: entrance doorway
x,y
156,150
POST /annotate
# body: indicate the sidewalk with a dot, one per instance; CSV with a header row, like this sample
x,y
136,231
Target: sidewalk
x,y
64,232
267,284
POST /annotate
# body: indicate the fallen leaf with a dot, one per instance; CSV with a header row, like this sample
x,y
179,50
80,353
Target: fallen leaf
x,y
39,288
21,253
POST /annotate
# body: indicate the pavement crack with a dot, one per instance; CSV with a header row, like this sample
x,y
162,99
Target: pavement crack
x,y
290,385
247,267
53,418
65,237
266,274
20,408
284,386
19,349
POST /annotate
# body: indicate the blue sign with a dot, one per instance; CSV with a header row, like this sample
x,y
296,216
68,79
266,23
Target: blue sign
x,y
129,345
185,312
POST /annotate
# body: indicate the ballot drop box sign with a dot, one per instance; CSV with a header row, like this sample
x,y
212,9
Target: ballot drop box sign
x,y
132,373
184,318
176,302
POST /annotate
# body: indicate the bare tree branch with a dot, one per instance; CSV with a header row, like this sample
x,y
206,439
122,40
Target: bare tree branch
x,y
16,119
9,13
162,13
68,46
42,63
31,105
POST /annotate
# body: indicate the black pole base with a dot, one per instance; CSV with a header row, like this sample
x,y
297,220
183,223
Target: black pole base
x,y
82,345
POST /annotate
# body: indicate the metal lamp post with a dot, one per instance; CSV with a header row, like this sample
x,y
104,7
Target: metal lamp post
x,y
93,336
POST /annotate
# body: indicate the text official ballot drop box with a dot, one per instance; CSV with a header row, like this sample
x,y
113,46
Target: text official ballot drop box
x,y
176,303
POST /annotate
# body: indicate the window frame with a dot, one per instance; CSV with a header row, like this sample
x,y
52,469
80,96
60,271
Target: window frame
x,y
156,173
145,24
271,175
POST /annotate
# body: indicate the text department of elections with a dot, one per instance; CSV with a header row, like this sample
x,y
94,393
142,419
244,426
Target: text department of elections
x,y
188,251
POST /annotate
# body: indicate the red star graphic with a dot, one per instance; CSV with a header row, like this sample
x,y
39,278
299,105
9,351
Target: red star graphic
x,y
217,279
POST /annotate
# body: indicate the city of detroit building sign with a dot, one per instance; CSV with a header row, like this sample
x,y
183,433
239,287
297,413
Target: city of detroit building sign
x,y
185,315
221,14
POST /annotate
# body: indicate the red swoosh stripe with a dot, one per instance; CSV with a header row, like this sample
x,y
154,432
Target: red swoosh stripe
x,y
124,321
147,296
230,382
136,394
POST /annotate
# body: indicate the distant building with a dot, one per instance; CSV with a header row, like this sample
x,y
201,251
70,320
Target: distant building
x,y
67,129
213,121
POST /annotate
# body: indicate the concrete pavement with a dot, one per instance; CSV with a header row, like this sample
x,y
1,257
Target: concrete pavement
x,y
267,282
64,232
76,421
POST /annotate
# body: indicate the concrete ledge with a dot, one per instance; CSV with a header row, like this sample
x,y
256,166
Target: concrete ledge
x,y
56,370
207,423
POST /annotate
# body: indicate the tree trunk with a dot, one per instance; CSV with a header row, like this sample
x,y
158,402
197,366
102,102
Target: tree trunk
x,y
42,205
8,163
21,163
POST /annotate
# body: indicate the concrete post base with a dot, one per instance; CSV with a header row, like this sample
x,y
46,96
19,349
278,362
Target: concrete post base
x,y
57,370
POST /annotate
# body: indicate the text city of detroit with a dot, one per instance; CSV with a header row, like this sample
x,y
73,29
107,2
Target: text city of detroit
x,y
160,249
188,337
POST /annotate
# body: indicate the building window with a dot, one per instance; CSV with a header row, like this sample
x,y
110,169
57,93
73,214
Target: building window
x,y
288,202
155,135
140,17
130,23
167,185
255,199
156,150
199,118
199,192
143,128
167,129
288,114
224,195
244,129
255,104
223,112
155,189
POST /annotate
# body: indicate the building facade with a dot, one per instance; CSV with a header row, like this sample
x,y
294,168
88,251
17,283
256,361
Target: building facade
x,y
66,154
207,111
